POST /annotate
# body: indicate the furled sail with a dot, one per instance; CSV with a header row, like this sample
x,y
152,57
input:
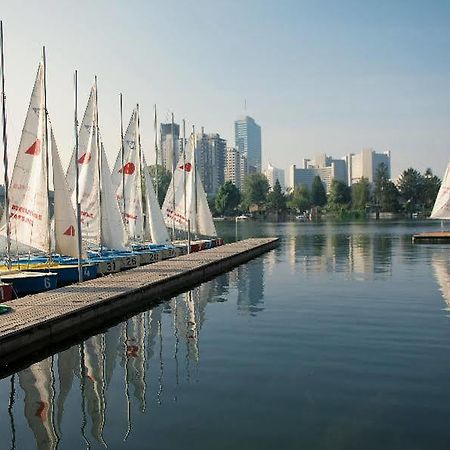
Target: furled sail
x,y
441,208
28,192
186,199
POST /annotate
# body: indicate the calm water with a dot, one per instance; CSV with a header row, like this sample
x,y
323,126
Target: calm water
x,y
339,339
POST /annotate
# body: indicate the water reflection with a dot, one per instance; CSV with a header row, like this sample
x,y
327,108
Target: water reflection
x,y
120,363
441,266
361,254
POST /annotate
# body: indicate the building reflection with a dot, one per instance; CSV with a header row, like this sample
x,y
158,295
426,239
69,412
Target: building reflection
x,y
147,347
360,254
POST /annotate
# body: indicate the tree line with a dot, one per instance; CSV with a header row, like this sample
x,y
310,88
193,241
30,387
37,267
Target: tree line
x,y
412,193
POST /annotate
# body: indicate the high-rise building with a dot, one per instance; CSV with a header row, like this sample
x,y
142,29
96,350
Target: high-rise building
x,y
169,147
236,167
247,135
273,174
365,164
210,158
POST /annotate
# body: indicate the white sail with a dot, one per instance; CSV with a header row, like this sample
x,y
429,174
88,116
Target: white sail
x,y
103,225
66,236
89,185
155,228
126,178
134,190
113,235
28,192
441,208
186,199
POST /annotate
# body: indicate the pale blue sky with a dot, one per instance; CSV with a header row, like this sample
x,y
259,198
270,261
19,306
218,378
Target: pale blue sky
x,y
318,76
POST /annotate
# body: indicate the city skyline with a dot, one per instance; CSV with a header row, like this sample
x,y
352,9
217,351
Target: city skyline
x,y
356,76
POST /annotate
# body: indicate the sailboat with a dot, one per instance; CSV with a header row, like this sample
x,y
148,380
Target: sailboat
x,y
136,197
441,211
26,219
101,224
185,206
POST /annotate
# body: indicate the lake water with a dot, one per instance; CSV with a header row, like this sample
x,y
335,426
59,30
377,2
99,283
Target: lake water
x,y
338,339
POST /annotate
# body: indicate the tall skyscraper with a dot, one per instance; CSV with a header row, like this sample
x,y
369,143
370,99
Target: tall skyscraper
x,y
169,148
247,135
210,157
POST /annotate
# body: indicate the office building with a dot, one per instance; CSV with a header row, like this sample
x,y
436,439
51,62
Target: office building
x,y
365,164
169,147
273,174
247,135
211,152
236,167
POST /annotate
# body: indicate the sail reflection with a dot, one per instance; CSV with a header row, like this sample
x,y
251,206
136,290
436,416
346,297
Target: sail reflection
x,y
442,273
126,370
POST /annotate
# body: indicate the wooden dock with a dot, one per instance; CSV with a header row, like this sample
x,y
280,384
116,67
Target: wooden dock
x,y
432,237
38,323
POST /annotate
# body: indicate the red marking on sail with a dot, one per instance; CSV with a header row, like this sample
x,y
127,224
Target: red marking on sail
x,y
35,148
42,410
128,168
85,158
70,231
187,167
132,351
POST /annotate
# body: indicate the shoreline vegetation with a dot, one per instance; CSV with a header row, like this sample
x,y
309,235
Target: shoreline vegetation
x,y
412,195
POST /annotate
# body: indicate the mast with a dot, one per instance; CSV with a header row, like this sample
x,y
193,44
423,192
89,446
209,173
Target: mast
x,y
77,169
99,165
184,167
140,169
194,174
173,178
5,153
156,154
122,155
46,154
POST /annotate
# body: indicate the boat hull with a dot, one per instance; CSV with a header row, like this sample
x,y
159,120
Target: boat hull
x,y
25,283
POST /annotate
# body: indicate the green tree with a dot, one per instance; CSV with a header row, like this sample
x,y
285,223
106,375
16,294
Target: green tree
x,y
410,186
255,190
227,198
360,194
276,199
300,199
163,181
431,183
385,193
339,194
318,194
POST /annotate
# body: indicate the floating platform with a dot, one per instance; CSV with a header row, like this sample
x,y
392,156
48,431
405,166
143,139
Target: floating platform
x,y
432,237
38,323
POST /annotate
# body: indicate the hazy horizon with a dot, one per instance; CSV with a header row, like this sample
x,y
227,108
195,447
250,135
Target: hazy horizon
x,y
317,76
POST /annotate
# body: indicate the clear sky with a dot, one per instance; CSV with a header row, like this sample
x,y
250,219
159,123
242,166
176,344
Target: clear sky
x,y
318,76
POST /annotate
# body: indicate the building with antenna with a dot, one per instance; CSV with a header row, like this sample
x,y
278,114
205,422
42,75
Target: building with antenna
x,y
247,136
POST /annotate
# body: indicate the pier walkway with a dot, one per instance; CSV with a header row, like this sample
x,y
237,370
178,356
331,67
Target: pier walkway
x,y
43,320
